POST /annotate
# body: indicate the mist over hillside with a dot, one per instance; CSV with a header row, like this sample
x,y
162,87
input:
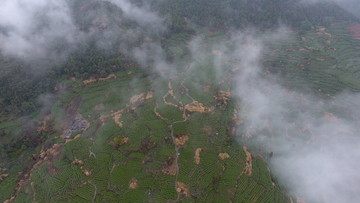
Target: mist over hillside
x,y
55,36
349,5
152,93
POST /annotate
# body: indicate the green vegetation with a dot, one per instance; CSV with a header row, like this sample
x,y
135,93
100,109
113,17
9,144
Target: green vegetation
x,y
323,60
155,137
138,161
263,14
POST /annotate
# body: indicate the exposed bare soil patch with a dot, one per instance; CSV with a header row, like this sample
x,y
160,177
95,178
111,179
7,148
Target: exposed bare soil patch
x,y
94,80
133,183
81,164
3,176
117,118
182,189
197,157
248,162
355,31
322,31
180,140
224,156
141,97
222,97
196,106
170,167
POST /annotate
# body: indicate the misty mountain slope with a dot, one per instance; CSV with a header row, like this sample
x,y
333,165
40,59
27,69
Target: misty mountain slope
x,y
154,138
259,13
97,26
95,39
323,59
171,101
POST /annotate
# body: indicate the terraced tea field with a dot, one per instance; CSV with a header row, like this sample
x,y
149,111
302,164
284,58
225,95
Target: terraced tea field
x,y
325,60
140,136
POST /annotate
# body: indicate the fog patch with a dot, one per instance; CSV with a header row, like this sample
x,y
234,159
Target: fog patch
x,y
30,29
314,142
43,33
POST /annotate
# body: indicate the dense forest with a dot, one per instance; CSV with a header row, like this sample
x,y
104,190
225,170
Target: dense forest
x,y
20,85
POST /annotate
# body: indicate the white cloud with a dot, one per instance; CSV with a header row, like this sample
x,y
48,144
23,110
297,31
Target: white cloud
x,y
29,27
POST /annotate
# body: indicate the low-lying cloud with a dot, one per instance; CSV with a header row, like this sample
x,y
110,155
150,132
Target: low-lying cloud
x,y
30,29
49,30
315,148
142,15
352,6
314,141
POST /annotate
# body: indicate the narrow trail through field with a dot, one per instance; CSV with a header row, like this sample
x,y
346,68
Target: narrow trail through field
x,y
182,107
182,83
46,156
91,153
95,192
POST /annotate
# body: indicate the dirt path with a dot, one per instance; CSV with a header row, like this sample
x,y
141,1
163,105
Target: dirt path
x,y
95,192
181,107
48,156
177,153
